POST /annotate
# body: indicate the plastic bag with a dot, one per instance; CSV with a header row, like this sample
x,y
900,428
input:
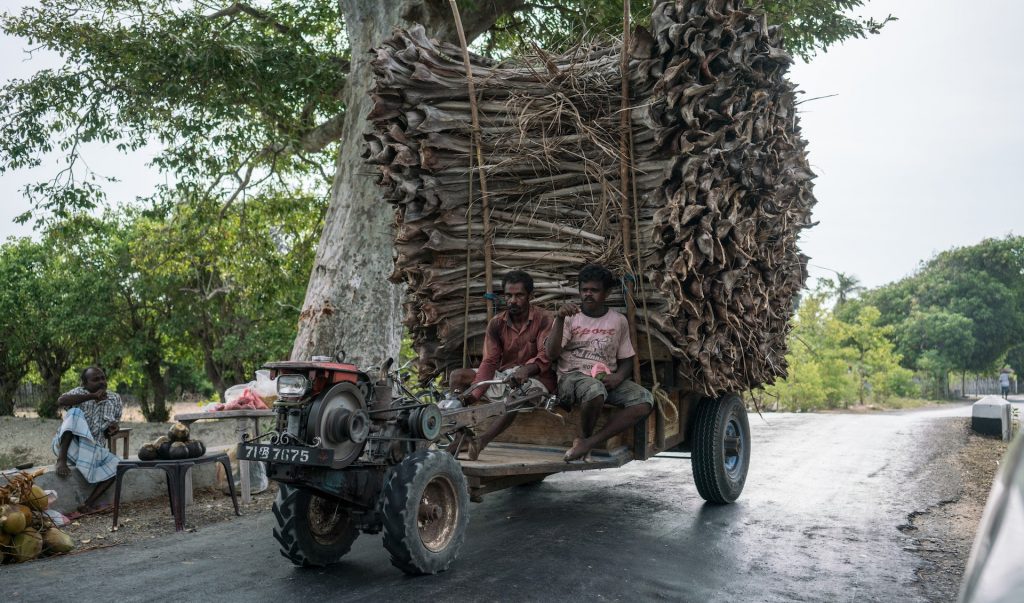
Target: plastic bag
x,y
265,387
245,397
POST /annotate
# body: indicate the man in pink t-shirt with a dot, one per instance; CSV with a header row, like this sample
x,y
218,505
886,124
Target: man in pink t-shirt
x,y
595,358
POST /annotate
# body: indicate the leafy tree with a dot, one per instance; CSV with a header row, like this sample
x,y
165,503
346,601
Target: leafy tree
x,y
874,358
936,342
844,288
240,276
20,262
983,284
832,361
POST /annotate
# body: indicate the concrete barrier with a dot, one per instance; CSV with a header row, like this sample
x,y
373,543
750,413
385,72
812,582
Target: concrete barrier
x,y
991,415
137,484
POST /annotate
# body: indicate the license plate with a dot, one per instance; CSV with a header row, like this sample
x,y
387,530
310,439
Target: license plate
x,y
292,455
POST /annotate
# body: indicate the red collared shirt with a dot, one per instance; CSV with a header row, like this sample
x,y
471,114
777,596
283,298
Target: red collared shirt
x,y
506,346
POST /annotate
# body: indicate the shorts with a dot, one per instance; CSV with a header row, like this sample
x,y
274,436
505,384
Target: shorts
x,y
575,388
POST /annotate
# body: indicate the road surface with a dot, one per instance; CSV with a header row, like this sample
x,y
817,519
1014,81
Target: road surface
x,y
818,521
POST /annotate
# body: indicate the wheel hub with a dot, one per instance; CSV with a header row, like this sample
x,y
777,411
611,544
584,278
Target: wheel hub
x,y
327,520
438,514
732,448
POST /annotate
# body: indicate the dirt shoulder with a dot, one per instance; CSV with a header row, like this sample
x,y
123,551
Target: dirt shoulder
x,y
942,535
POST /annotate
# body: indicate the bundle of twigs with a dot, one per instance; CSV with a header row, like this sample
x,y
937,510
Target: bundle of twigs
x,y
720,185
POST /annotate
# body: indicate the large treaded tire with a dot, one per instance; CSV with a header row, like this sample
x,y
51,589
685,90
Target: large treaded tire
x,y
300,543
721,448
426,511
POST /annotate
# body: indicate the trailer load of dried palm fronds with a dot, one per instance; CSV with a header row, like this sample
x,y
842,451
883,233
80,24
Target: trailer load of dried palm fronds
x,y
717,190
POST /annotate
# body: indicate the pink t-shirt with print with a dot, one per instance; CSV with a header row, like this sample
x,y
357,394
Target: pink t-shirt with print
x,y
587,341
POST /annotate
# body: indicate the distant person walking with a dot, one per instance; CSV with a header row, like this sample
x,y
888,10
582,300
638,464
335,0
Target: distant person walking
x,y
1004,382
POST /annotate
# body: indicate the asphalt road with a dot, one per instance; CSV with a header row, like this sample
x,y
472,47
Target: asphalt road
x,y
817,522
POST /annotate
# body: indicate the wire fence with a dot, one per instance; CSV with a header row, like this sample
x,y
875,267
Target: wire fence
x,y
983,386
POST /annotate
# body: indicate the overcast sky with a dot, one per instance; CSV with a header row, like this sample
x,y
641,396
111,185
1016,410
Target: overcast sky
x,y
919,150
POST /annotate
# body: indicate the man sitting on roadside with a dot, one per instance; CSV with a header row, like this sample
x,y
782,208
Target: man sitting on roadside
x,y
512,350
92,414
595,357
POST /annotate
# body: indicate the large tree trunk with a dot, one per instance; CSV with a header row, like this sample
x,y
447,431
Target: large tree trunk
x,y
157,411
52,365
351,308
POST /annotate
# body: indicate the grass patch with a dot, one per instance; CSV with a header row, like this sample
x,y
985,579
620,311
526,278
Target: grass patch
x,y
904,403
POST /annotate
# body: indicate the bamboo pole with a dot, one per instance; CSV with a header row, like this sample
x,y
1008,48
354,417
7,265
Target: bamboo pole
x,y
484,205
626,216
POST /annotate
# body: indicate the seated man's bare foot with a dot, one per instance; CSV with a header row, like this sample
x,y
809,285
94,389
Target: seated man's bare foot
x,y
62,468
579,449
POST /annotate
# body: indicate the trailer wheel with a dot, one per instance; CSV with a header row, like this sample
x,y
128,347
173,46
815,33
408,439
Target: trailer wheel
x,y
426,510
312,530
721,448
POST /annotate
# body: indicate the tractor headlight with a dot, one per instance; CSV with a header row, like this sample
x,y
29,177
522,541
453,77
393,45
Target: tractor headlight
x,y
292,386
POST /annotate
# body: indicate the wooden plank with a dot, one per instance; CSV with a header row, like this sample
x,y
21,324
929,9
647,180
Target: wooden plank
x,y
498,460
544,429
223,414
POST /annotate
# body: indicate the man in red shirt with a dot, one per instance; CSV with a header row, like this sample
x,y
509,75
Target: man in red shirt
x,y
513,349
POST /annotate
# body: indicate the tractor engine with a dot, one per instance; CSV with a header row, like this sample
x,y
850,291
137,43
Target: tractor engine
x,y
347,417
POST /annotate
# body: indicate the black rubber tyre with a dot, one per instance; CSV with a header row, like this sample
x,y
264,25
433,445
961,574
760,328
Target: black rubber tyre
x,y
312,530
426,510
721,448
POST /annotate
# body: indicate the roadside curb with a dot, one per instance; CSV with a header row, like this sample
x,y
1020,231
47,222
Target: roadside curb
x,y
136,485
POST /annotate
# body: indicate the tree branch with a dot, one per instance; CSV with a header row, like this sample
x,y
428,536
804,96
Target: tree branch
x,y
242,7
323,135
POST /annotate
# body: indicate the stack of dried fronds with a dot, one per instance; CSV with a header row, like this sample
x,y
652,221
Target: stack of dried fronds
x,y
720,186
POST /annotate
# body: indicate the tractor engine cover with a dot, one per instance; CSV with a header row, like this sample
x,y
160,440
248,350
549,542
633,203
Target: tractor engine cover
x,y
338,420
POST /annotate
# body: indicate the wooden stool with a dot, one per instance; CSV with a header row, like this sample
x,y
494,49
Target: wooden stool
x,y
123,435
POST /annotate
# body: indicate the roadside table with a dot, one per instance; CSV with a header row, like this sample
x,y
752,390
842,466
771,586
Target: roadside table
x,y
242,417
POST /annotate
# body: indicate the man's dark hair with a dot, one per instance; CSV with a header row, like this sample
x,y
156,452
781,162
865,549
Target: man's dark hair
x,y
85,373
518,276
597,273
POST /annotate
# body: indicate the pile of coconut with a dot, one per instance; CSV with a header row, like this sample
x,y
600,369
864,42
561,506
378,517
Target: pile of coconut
x,y
26,530
177,444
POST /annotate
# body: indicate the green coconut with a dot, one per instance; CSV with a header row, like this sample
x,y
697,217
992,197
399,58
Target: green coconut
x,y
163,451
57,541
37,499
12,518
178,432
179,450
27,546
147,452
160,441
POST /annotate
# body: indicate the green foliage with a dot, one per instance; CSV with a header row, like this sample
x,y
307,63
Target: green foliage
x,y
964,309
20,262
232,96
813,25
832,362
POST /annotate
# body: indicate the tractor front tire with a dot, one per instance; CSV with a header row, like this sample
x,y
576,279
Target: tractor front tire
x,y
312,530
426,511
720,453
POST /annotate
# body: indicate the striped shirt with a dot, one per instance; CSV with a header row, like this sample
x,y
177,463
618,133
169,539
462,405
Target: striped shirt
x,y
98,414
